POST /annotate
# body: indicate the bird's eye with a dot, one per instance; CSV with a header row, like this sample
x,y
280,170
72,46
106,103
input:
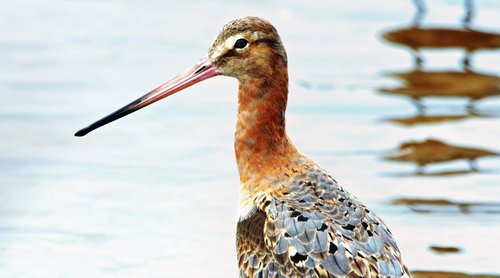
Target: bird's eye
x,y
240,43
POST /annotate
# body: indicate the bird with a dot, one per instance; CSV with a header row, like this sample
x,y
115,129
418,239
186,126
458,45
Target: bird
x,y
294,219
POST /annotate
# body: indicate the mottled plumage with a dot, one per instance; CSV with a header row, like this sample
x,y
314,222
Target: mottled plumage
x,y
294,219
314,228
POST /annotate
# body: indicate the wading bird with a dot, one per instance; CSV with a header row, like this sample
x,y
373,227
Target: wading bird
x,y
294,219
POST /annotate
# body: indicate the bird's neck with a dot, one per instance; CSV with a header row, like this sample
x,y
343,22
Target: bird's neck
x,y
261,142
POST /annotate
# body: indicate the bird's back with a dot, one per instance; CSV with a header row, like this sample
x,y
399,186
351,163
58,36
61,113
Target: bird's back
x,y
312,227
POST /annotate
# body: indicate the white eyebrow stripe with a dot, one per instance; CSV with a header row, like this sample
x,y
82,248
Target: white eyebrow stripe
x,y
231,40
229,43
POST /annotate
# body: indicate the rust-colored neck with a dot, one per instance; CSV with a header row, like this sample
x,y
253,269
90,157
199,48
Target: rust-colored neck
x,y
261,143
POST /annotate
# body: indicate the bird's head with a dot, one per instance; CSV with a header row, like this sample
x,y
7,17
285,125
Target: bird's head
x,y
246,48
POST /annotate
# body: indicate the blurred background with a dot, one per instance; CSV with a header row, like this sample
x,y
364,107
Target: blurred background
x,y
379,94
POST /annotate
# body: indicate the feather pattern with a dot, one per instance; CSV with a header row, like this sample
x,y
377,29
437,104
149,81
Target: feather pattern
x,y
313,227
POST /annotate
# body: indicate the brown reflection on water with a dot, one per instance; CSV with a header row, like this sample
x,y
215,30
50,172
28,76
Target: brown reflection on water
x,y
444,249
417,37
423,119
432,151
422,83
447,206
443,173
418,84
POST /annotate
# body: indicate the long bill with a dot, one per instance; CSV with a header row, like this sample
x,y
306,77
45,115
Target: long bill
x,y
204,69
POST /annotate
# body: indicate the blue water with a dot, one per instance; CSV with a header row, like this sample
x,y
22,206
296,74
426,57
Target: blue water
x,y
155,194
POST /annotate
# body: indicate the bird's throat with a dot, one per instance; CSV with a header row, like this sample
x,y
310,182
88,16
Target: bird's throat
x,y
261,142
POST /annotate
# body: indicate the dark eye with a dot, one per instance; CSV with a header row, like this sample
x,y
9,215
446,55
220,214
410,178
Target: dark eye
x,y
240,43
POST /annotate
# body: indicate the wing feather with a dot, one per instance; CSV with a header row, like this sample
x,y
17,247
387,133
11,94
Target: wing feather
x,y
314,228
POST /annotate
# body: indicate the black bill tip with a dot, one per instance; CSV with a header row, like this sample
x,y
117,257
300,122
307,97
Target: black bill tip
x,y
82,132
122,112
